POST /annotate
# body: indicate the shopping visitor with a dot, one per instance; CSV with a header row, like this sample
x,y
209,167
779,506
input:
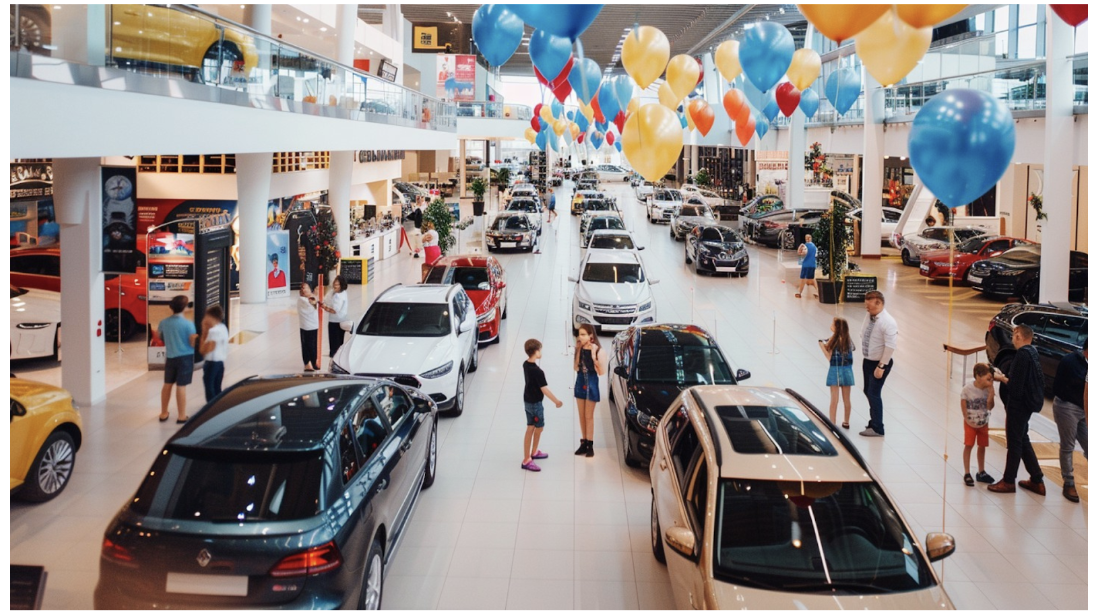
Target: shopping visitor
x,y
551,205
807,250
589,363
431,242
878,340
214,345
413,229
976,401
336,304
839,351
1069,409
535,388
308,326
178,334
1025,396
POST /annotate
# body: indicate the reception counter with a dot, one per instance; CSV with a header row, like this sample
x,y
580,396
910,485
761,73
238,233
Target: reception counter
x,y
380,245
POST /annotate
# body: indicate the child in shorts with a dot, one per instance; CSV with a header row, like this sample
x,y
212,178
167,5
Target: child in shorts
x,y
535,388
976,401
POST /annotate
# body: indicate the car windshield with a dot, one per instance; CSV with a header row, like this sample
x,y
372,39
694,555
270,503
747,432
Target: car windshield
x,y
718,234
973,245
598,205
406,320
666,195
765,209
965,234
612,241
472,278
612,272
511,223
812,537
605,222
522,206
682,365
695,210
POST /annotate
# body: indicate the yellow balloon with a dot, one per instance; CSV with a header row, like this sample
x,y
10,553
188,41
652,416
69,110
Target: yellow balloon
x,y
804,69
546,114
839,22
530,135
682,74
575,130
890,49
689,119
587,111
652,141
633,106
923,15
559,126
666,96
727,60
645,54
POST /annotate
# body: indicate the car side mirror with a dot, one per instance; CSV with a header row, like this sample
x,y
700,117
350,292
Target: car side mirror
x,y
572,278
641,247
655,281
682,540
467,325
621,372
741,375
939,545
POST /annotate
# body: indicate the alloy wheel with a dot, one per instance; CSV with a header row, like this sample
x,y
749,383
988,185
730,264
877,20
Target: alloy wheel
x,y
374,587
56,466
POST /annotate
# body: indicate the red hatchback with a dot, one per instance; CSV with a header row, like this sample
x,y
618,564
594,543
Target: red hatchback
x,y
483,278
936,263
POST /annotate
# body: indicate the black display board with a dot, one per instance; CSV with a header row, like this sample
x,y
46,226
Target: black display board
x,y
213,240
355,270
28,583
857,285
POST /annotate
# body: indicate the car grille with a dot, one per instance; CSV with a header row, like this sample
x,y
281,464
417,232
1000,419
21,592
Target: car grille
x,y
614,320
402,379
612,309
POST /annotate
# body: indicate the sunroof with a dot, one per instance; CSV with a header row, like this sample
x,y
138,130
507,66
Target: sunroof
x,y
773,429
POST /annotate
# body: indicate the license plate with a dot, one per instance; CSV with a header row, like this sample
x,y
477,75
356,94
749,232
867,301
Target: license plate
x,y
508,244
215,585
974,280
726,269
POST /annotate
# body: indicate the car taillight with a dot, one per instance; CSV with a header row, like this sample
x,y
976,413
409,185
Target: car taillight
x,y
313,561
115,551
991,325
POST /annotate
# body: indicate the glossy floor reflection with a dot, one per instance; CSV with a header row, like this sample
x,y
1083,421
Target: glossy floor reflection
x,y
489,535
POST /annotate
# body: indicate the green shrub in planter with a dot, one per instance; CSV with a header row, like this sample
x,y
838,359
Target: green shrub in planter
x,y
441,217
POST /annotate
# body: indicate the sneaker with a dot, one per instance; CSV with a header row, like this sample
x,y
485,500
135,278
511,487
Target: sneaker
x,y
539,455
581,450
968,481
1037,487
983,477
869,432
1002,487
530,466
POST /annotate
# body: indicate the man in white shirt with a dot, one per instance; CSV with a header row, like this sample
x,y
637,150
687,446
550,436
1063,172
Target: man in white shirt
x,y
878,339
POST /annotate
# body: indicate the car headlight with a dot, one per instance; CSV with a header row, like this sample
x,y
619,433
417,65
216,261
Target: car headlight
x,y
436,373
486,318
647,422
579,318
584,306
1007,272
645,307
33,325
336,369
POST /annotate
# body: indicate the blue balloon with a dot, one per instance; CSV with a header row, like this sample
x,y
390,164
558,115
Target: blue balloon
x,y
842,89
556,109
570,115
568,20
606,97
543,124
624,89
541,140
761,124
765,53
684,121
579,119
497,31
549,53
553,140
596,139
809,102
585,78
619,148
961,143
601,126
771,110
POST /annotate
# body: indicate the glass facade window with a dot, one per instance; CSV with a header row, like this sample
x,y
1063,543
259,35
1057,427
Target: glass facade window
x,y
1027,42
1027,14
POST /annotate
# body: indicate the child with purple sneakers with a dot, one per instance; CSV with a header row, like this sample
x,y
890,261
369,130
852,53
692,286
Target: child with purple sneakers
x,y
535,388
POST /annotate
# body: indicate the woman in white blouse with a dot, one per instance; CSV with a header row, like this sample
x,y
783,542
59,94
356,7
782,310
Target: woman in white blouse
x,y
430,241
337,307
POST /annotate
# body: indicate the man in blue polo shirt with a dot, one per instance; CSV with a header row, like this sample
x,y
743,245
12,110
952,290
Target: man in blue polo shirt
x,y
808,252
179,336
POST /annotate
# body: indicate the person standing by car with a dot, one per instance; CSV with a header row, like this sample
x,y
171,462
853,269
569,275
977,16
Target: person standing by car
x,y
1026,396
413,232
179,337
214,345
589,363
431,242
808,251
535,388
1069,409
878,340
976,401
337,307
839,351
308,326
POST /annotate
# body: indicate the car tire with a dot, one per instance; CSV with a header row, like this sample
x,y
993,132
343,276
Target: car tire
x,y
118,328
504,313
460,394
57,344
210,72
371,591
52,468
473,364
687,259
672,234
656,546
629,459
430,462
907,259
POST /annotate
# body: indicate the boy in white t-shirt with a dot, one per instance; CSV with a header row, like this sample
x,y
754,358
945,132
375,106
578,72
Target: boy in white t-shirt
x,y
976,401
214,346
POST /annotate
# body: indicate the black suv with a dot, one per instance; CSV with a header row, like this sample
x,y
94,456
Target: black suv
x,y
1057,331
650,366
283,492
1017,273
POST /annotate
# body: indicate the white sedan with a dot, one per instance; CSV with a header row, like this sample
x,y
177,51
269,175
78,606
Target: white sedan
x,y
709,197
35,323
530,208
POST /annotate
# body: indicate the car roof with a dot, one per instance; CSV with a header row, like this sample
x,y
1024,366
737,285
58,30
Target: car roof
x,y
674,334
612,232
417,293
844,466
463,261
612,256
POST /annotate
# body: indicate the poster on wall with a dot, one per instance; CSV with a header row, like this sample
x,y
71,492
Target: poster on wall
x,y
31,200
455,77
447,37
170,272
180,215
279,264
771,174
120,219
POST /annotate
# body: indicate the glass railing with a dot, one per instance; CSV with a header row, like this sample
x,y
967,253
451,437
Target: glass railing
x,y
189,44
485,109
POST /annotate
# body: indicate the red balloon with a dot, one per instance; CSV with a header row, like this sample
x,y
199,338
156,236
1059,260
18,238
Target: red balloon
x,y
1073,14
619,121
609,138
788,98
597,115
702,115
562,91
581,138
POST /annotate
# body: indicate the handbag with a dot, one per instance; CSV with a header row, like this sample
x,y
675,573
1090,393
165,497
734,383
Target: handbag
x,y
347,325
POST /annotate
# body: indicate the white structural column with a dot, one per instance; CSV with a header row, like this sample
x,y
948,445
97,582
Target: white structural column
x,y
394,26
872,169
79,208
80,33
346,33
259,18
254,182
797,145
463,167
340,191
1059,126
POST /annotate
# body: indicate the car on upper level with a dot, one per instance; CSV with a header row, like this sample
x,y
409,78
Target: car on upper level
x,y
483,279
1017,273
662,204
643,190
45,436
531,208
758,207
943,264
689,217
612,291
613,173
716,249
285,492
423,336
913,245
511,230
1057,331
649,366
35,324
758,502
607,221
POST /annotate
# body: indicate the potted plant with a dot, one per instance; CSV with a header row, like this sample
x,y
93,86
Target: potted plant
x,y
441,217
478,187
832,237
703,178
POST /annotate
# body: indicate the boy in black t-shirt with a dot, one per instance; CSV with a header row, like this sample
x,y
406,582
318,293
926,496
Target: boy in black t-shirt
x,y
535,388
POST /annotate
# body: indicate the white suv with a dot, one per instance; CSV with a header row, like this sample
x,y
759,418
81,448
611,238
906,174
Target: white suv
x,y
759,503
613,173
531,208
423,336
613,292
662,204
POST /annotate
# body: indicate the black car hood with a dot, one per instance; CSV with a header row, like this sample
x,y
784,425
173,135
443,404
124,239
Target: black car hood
x,y
655,398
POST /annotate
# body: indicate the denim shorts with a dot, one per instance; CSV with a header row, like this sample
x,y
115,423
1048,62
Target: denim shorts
x,y
534,411
587,388
178,370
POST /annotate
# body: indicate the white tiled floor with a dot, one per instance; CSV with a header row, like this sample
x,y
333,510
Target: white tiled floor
x,y
489,535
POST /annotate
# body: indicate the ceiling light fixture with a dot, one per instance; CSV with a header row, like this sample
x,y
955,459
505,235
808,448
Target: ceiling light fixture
x,y
306,20
324,29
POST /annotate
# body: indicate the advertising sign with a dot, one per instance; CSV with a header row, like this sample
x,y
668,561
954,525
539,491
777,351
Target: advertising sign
x,y
212,280
32,205
447,37
279,264
455,77
170,272
772,173
120,238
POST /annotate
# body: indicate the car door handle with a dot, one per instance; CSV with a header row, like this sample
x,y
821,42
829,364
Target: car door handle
x,y
406,445
382,485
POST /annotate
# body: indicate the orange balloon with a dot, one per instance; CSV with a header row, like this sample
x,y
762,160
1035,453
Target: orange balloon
x,y
745,130
839,22
736,105
925,15
701,113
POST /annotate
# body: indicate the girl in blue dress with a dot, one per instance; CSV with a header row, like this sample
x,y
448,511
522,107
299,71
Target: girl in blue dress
x,y
839,351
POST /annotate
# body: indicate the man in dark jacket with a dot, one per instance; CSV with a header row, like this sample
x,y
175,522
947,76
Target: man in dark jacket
x,y
1025,397
1069,411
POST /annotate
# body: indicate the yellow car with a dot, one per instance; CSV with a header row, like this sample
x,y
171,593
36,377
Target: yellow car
x,y
147,35
45,437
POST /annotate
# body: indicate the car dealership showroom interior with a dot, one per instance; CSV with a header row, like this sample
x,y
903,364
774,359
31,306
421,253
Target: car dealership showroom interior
x,y
548,306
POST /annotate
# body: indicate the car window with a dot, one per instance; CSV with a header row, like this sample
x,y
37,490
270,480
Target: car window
x,y
522,206
1078,260
684,449
472,278
40,265
935,234
682,365
613,272
457,313
1035,321
393,402
696,494
1062,328
773,430
677,421
891,216
405,320
437,275
998,246
369,427
606,223
612,241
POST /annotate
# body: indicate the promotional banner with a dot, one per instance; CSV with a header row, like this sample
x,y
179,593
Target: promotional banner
x,y
120,238
455,77
447,37
179,215
279,263
772,173
170,272
212,281
32,205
